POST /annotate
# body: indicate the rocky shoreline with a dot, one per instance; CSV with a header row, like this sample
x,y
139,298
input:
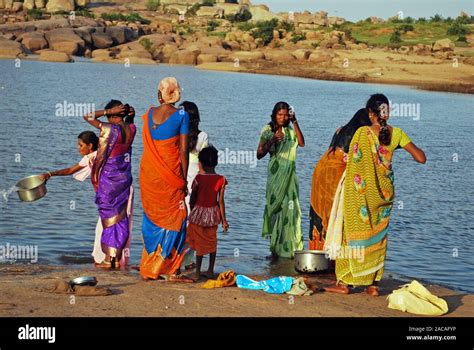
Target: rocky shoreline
x,y
301,44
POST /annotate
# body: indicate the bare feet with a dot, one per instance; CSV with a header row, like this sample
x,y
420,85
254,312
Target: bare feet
x,y
373,291
337,288
104,265
180,279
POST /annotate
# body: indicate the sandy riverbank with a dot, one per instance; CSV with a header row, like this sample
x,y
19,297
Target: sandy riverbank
x,y
22,294
374,66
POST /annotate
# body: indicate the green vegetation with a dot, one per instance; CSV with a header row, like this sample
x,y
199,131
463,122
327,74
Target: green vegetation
x,y
212,25
406,28
147,44
421,31
153,5
264,30
193,9
396,37
218,34
35,14
208,2
457,28
298,37
288,26
132,17
84,12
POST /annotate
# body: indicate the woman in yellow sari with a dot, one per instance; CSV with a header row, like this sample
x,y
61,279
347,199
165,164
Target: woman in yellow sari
x,y
366,195
326,177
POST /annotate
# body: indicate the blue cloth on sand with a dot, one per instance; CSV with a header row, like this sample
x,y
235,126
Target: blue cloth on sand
x,y
276,285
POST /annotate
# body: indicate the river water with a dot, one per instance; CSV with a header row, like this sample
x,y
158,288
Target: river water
x,y
431,231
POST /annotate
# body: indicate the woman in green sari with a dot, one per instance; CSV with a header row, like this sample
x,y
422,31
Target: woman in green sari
x,y
282,216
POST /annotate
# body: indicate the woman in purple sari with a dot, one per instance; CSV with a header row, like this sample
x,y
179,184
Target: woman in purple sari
x,y
112,178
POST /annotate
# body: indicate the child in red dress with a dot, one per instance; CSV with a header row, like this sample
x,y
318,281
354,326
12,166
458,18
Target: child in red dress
x,y
207,210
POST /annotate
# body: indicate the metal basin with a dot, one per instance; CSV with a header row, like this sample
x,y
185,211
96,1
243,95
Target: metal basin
x,y
83,281
309,261
31,188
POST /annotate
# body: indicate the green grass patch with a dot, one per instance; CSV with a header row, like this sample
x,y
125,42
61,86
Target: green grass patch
x,y
132,17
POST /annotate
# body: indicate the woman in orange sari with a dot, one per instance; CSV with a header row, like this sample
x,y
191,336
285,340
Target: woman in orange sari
x,y
163,173
326,176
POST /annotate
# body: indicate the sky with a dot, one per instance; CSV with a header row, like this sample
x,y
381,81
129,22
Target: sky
x,y
354,10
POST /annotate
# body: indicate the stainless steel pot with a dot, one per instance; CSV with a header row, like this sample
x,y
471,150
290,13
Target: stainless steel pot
x,y
308,261
31,188
83,281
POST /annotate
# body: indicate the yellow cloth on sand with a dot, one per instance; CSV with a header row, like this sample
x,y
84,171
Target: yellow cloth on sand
x,y
225,279
416,299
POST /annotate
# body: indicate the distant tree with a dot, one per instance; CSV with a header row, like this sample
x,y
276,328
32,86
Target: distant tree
x,y
436,18
396,37
457,28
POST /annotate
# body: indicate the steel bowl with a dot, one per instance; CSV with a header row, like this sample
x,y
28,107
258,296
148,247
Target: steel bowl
x,y
83,281
309,261
31,188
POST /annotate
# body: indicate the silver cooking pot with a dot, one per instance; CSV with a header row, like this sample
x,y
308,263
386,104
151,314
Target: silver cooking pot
x,y
308,261
31,188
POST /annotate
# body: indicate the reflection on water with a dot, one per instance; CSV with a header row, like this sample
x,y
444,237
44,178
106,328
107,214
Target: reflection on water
x,y
431,231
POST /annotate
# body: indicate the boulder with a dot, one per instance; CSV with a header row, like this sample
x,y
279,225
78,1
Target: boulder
x,y
65,40
443,45
301,54
120,34
261,14
320,58
85,33
248,56
10,49
211,41
60,5
54,56
101,53
139,60
17,7
206,58
127,53
29,4
210,11
82,3
444,55
101,40
230,9
231,45
303,17
279,56
184,57
44,25
39,4
336,20
164,53
34,41
404,50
